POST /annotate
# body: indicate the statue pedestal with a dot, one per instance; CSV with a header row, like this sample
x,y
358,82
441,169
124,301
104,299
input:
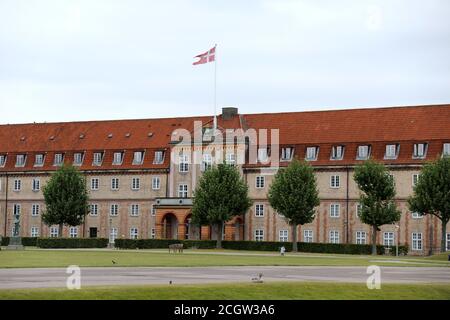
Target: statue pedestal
x,y
15,243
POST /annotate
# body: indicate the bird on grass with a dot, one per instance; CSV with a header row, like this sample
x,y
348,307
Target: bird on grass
x,y
113,262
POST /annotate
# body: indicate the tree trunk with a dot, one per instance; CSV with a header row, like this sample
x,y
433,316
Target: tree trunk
x,y
61,230
443,237
219,235
374,240
294,238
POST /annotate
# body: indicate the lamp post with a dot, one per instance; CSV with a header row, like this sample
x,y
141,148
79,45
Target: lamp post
x,y
110,233
397,227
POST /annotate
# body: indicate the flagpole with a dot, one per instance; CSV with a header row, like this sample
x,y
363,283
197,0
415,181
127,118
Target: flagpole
x,y
215,89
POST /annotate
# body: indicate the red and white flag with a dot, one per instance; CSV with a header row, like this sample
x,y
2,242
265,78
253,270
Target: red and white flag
x,y
208,56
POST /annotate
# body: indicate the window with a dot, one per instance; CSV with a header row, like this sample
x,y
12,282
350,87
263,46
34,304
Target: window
x,y
114,210
39,160
260,182
77,159
335,181
416,215
358,209
36,184
17,209
207,161
337,152
17,185
156,183
259,235
153,233
415,179
59,158
159,157
118,158
287,153
259,210
420,150
138,157
417,241
153,210
311,153
115,184
94,210
135,184
134,210
283,236
183,190
113,235
95,183
391,151
447,247
184,163
307,235
388,239
230,159
335,210
35,209
2,160
54,232
73,232
445,150
20,160
361,237
34,232
262,154
98,158
334,236
133,233
363,152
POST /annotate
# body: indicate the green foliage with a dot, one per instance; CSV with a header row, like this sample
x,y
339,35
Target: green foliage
x,y
432,193
162,243
53,243
66,198
26,241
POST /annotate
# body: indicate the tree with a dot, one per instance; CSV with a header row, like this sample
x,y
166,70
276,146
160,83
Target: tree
x,y
432,193
66,198
294,195
220,195
377,197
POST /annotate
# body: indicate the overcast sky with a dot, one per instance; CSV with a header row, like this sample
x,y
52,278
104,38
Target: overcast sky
x,y
63,60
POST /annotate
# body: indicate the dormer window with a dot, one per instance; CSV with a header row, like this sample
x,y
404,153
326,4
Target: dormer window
x,y
59,158
363,152
159,157
118,158
78,159
391,151
311,153
2,160
445,150
138,157
287,153
98,159
337,152
262,154
39,160
420,150
20,160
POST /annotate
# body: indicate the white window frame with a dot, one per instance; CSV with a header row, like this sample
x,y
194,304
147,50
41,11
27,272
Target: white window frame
x,y
34,232
360,155
361,237
414,179
113,233
263,154
156,183
41,157
22,161
260,182
447,242
73,232
358,209
420,150
135,183
308,236
207,161
36,184
114,209
134,210
35,209
159,159
283,235
416,215
78,158
335,210
97,159
93,209
335,155
54,232
259,234
446,149
335,181
182,190
388,239
334,236
117,158
287,153
17,185
58,160
310,151
230,158
95,184
134,233
138,158
3,159
183,165
416,241
391,151
115,184
259,210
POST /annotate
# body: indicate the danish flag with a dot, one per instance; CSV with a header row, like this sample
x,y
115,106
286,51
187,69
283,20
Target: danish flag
x,y
208,56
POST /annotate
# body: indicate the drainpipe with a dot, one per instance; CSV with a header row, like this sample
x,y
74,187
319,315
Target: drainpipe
x,y
346,210
6,205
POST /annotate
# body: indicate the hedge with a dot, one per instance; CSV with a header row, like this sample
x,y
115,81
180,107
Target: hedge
x,y
257,246
26,241
53,243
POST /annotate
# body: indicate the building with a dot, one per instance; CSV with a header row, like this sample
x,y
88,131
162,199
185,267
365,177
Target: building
x,y
141,177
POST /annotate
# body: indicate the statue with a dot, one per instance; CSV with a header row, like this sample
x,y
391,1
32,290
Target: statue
x,y
16,230
15,242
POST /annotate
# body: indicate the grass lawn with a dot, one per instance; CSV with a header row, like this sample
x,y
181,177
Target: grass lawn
x,y
282,291
194,258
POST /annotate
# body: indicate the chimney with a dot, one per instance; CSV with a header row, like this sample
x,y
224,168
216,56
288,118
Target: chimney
x,y
229,112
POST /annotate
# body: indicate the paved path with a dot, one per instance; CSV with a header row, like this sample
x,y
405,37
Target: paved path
x,y
56,277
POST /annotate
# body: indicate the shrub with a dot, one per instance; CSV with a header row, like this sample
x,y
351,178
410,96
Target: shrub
x,y
26,241
52,243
